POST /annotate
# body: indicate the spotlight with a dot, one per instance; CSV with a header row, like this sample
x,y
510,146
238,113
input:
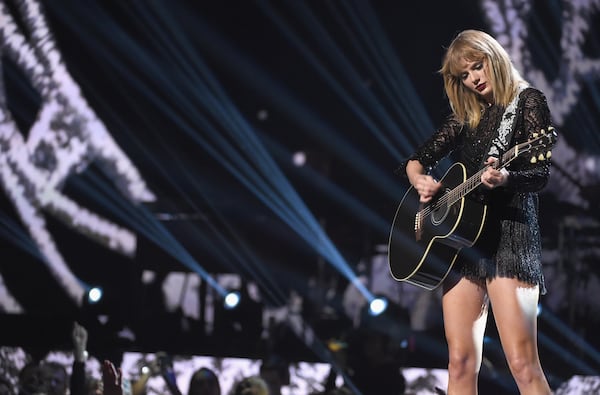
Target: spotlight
x,y
94,295
232,299
377,306
299,158
262,115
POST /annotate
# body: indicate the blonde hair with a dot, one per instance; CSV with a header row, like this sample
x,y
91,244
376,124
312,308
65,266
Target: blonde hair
x,y
476,46
252,385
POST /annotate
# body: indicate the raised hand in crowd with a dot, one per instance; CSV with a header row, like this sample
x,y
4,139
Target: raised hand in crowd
x,y
111,378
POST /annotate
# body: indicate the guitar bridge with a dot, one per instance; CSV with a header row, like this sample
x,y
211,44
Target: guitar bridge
x,y
418,226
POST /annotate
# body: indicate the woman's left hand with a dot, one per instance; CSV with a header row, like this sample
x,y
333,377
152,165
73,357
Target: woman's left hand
x,y
492,178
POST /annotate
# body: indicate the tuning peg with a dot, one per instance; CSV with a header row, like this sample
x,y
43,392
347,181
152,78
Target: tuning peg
x,y
533,159
548,154
535,135
541,157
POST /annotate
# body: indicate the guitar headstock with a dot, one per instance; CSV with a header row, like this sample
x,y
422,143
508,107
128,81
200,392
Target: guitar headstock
x,y
540,145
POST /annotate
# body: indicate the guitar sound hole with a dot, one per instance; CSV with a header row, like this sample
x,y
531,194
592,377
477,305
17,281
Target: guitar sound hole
x,y
439,212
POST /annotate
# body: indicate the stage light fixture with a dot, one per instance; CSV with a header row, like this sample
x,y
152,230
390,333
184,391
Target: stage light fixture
x,y
377,306
232,300
299,158
94,295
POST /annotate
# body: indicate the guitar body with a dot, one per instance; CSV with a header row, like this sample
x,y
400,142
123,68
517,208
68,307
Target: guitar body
x,y
423,248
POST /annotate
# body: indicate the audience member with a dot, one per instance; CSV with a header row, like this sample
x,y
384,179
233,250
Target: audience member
x,y
47,378
81,382
373,365
147,370
204,381
165,363
275,372
78,381
111,379
252,385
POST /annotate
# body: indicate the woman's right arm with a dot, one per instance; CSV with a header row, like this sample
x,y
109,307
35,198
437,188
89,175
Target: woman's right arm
x,y
425,185
426,157
414,169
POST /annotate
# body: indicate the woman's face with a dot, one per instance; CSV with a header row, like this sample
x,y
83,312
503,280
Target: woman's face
x,y
474,77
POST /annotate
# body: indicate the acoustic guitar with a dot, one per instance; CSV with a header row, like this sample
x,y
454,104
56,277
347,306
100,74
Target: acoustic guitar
x,y
425,239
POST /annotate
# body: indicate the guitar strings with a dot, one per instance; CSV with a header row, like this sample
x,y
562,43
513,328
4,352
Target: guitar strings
x,y
470,184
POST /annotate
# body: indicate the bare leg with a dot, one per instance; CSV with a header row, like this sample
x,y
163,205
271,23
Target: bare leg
x,y
514,305
465,309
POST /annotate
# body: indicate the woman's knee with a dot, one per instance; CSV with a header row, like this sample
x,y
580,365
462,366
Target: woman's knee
x,y
523,368
462,364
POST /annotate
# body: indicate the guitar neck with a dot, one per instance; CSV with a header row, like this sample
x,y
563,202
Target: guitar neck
x,y
475,180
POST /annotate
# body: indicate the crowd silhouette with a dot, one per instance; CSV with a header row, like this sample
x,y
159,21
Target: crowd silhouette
x,y
39,376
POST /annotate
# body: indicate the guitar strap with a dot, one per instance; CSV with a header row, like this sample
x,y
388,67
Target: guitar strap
x,y
505,131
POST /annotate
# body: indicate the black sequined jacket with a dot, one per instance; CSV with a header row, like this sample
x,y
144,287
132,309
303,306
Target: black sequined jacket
x,y
510,244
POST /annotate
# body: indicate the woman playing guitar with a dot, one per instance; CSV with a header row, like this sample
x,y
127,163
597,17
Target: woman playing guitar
x,y
493,110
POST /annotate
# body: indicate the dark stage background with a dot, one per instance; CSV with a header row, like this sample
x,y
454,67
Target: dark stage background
x,y
169,151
